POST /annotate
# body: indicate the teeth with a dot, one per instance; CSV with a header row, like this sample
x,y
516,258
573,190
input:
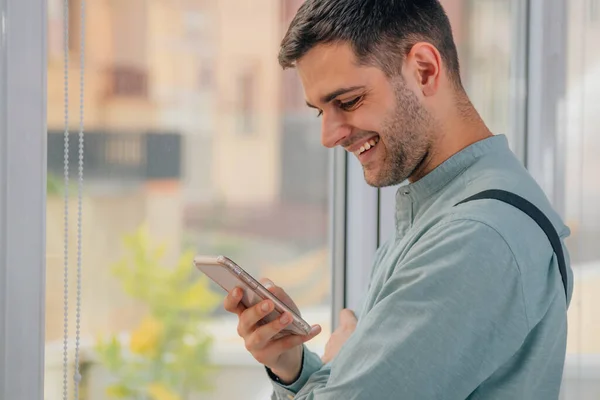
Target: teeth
x,y
367,146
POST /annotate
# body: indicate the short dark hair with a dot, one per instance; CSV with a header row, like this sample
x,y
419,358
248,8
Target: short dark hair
x,y
381,32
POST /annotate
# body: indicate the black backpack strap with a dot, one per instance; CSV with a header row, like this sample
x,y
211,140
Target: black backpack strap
x,y
535,214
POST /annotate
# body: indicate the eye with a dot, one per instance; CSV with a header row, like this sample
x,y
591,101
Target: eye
x,y
350,105
320,113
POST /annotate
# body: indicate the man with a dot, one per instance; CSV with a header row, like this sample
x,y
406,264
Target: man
x,y
465,301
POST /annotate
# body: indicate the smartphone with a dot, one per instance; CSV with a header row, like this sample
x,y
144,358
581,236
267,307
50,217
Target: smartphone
x,y
229,275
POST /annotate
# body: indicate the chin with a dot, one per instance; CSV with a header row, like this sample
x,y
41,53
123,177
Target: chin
x,y
374,178
377,178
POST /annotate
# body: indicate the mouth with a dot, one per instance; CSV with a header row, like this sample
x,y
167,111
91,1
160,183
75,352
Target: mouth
x,y
367,146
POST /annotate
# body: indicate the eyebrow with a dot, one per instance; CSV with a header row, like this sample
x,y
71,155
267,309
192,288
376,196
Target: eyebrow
x,y
331,96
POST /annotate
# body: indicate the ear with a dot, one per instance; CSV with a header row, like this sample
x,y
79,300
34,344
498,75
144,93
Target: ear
x,y
424,64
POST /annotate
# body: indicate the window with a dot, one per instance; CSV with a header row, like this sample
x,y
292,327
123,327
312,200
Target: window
x,y
579,166
490,37
55,29
74,25
168,176
128,81
205,76
594,10
247,99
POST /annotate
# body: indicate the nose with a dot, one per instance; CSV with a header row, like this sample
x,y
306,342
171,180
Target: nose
x,y
334,130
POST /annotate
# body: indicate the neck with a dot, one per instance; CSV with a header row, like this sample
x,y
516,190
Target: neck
x,y
455,130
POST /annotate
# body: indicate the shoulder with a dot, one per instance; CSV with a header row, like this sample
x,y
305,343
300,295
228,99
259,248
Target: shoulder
x,y
466,235
529,245
464,261
517,227
506,218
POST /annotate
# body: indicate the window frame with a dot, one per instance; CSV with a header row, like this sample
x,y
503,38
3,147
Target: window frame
x,y
546,88
362,233
337,232
23,65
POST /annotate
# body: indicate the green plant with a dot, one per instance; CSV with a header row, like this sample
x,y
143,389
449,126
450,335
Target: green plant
x,y
167,354
55,185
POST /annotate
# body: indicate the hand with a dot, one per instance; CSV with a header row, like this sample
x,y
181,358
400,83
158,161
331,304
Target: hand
x,y
340,335
282,355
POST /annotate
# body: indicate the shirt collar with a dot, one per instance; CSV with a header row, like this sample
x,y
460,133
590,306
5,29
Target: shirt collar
x,y
452,167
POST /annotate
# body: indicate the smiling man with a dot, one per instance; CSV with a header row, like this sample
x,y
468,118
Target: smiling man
x,y
468,299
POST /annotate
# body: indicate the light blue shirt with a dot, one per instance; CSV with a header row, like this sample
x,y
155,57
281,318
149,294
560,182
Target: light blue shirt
x,y
464,302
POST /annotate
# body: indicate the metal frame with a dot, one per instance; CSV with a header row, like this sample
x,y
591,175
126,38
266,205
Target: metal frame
x,y
355,232
22,197
518,113
362,228
546,91
338,196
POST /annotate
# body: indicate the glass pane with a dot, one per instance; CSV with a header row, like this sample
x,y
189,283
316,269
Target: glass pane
x,y
196,142
487,35
582,195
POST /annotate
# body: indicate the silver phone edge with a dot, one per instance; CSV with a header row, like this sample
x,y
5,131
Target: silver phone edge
x,y
281,307
231,266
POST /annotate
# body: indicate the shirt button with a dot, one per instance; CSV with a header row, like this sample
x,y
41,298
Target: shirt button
x,y
290,397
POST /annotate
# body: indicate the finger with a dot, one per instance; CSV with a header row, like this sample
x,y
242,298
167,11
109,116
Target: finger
x,y
263,335
232,302
280,294
347,317
271,287
250,317
291,341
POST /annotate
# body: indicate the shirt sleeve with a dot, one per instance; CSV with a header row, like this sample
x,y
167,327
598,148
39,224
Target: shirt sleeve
x,y
449,314
311,363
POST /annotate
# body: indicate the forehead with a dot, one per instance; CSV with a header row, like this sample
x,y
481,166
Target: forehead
x,y
327,68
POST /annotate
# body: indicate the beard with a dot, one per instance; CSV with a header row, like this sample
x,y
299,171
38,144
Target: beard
x,y
406,136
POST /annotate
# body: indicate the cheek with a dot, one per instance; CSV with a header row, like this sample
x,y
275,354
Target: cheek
x,y
366,120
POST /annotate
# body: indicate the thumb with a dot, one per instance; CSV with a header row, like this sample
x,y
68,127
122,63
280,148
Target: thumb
x,y
347,317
